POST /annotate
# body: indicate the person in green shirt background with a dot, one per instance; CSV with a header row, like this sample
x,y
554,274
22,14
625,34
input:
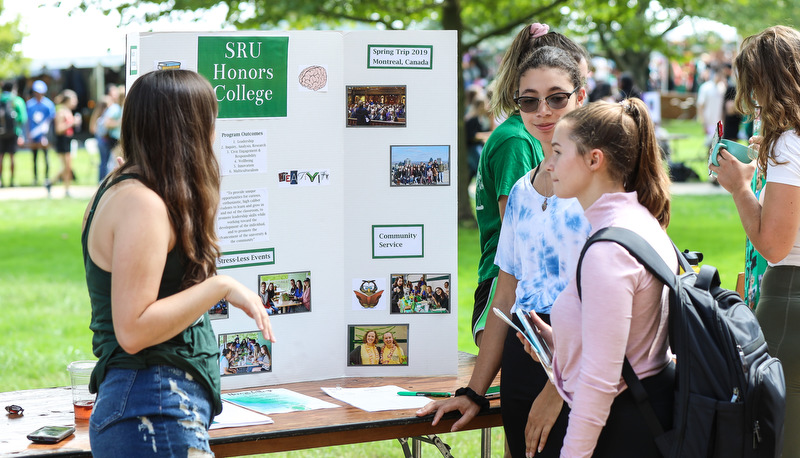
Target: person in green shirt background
x,y
13,116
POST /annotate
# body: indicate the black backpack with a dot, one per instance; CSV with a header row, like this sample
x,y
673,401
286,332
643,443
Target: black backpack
x,y
8,119
730,394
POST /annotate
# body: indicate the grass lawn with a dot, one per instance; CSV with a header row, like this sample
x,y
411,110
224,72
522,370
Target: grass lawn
x,y
43,293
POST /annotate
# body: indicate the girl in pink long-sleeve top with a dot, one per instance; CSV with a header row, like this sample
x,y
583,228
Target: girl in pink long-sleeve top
x,y
607,156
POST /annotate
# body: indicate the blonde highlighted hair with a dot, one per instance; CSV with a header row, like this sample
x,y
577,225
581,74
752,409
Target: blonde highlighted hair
x,y
768,67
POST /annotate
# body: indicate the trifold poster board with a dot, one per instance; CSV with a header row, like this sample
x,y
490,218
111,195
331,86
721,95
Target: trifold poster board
x,y
337,152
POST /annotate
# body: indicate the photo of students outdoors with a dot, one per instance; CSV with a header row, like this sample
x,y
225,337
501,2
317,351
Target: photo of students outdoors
x,y
285,292
372,345
420,293
376,106
427,165
244,353
219,310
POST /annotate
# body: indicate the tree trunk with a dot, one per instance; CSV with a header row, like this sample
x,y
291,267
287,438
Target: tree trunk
x,y
637,63
451,20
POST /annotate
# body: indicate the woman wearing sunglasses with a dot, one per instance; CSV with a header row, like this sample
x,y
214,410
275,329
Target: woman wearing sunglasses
x,y
538,248
510,152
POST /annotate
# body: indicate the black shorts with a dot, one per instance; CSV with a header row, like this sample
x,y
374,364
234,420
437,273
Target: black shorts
x,y
521,381
8,145
63,144
484,294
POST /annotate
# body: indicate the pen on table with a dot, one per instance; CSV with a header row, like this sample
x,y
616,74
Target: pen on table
x,y
435,394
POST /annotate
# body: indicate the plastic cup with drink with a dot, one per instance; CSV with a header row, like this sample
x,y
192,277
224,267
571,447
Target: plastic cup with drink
x,y
82,400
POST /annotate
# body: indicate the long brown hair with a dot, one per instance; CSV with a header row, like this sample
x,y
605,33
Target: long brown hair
x,y
768,67
166,138
507,80
626,135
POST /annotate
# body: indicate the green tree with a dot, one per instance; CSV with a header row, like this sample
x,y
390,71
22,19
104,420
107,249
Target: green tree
x,y
624,31
627,32
12,63
752,16
475,21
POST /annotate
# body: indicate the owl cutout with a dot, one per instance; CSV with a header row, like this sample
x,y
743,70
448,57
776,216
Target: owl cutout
x,y
368,294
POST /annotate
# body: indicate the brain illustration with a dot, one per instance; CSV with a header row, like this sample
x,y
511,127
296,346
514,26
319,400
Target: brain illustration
x,y
313,78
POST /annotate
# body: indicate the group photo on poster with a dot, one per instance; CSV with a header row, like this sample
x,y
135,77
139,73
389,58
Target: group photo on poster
x,y
244,353
373,345
376,106
285,292
420,293
420,165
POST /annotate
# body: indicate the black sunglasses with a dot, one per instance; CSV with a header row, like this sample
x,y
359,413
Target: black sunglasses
x,y
555,101
14,410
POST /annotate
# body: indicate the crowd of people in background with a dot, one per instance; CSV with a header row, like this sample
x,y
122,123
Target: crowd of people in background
x,y
707,79
41,124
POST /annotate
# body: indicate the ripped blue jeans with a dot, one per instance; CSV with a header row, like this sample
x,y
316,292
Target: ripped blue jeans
x,y
158,411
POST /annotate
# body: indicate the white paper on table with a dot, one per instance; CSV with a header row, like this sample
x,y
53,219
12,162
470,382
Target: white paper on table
x,y
374,399
233,416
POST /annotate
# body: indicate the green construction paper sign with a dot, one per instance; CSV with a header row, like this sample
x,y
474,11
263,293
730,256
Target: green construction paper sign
x,y
248,74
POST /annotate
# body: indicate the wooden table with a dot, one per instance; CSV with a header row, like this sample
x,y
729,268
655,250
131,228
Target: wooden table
x,y
291,431
283,307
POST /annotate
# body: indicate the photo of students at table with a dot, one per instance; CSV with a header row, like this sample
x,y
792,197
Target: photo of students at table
x,y
285,293
417,293
243,354
379,346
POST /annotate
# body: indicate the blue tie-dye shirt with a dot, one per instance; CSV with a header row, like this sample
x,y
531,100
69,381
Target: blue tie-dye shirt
x,y
540,248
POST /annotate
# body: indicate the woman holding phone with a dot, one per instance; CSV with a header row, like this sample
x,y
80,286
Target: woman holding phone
x,y
768,82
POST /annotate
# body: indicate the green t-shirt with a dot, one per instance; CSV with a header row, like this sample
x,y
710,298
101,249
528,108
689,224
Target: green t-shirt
x,y
510,152
20,108
193,350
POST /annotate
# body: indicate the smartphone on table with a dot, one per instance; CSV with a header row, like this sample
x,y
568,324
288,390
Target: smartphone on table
x,y
51,434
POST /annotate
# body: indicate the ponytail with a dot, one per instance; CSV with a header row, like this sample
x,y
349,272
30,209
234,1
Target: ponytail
x,y
626,135
648,177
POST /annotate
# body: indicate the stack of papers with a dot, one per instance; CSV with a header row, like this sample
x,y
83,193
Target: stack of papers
x,y
233,416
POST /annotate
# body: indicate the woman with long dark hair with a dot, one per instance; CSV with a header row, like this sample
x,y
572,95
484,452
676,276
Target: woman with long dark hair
x,y
150,252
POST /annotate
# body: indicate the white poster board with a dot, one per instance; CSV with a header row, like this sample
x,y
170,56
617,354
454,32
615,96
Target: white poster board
x,y
314,188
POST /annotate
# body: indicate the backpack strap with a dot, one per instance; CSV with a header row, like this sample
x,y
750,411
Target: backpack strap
x,y
640,249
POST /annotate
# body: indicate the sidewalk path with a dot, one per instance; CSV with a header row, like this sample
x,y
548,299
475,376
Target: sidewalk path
x,y
39,192
696,188
86,192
